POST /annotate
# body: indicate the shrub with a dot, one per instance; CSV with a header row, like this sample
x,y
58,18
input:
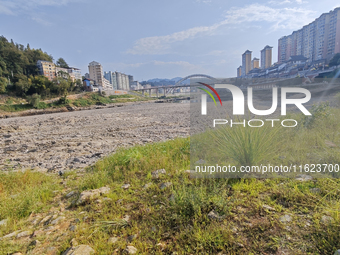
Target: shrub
x,y
9,101
245,146
319,112
42,105
63,100
34,100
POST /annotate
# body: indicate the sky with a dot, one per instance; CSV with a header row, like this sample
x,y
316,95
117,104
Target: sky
x,y
156,38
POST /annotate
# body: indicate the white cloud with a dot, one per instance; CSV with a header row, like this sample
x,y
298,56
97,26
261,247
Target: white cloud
x,y
6,8
184,64
204,1
17,6
161,68
25,7
42,21
279,18
160,44
278,2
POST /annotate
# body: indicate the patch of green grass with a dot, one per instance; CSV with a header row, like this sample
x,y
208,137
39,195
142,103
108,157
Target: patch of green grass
x,y
21,193
120,96
87,100
15,107
82,102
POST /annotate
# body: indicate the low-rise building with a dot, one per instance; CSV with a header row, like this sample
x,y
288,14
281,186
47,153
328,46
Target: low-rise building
x,y
75,73
90,85
62,72
106,84
50,70
46,68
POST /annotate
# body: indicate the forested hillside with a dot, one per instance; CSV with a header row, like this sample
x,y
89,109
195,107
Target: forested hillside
x,y
19,73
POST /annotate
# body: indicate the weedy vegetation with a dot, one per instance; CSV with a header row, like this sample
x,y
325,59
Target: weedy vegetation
x,y
188,215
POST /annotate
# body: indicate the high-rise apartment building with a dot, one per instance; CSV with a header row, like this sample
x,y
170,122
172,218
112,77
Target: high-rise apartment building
x,y
122,81
239,71
315,41
255,63
112,78
119,80
96,72
266,57
246,62
130,80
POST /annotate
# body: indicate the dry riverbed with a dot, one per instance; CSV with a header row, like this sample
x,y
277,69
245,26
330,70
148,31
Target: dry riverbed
x,y
73,140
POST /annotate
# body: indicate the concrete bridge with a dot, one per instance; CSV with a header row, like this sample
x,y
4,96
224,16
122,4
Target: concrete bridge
x,y
265,84
170,89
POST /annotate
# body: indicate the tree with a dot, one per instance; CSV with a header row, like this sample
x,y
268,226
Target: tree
x,y
3,84
22,85
62,63
335,60
62,85
34,100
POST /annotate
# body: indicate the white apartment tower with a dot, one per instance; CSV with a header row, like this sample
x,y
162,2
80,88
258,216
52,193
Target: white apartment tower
x,y
96,72
318,40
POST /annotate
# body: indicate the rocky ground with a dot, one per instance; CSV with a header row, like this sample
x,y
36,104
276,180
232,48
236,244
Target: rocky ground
x,y
69,140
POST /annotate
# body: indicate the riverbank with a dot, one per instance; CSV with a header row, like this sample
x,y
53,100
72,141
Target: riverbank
x,y
142,200
85,101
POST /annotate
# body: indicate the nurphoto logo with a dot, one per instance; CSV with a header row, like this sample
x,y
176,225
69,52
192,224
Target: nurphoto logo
x,y
238,103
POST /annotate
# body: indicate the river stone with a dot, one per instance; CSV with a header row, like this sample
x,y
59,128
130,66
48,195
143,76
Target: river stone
x,y
10,235
23,234
268,207
214,215
112,240
304,177
71,194
3,222
326,219
130,250
88,195
148,185
285,218
57,220
126,186
79,250
157,173
165,185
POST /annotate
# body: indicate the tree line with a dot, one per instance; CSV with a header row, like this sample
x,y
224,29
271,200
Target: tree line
x,y
19,74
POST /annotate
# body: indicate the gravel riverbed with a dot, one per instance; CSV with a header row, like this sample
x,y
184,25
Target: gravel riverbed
x,y
74,140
